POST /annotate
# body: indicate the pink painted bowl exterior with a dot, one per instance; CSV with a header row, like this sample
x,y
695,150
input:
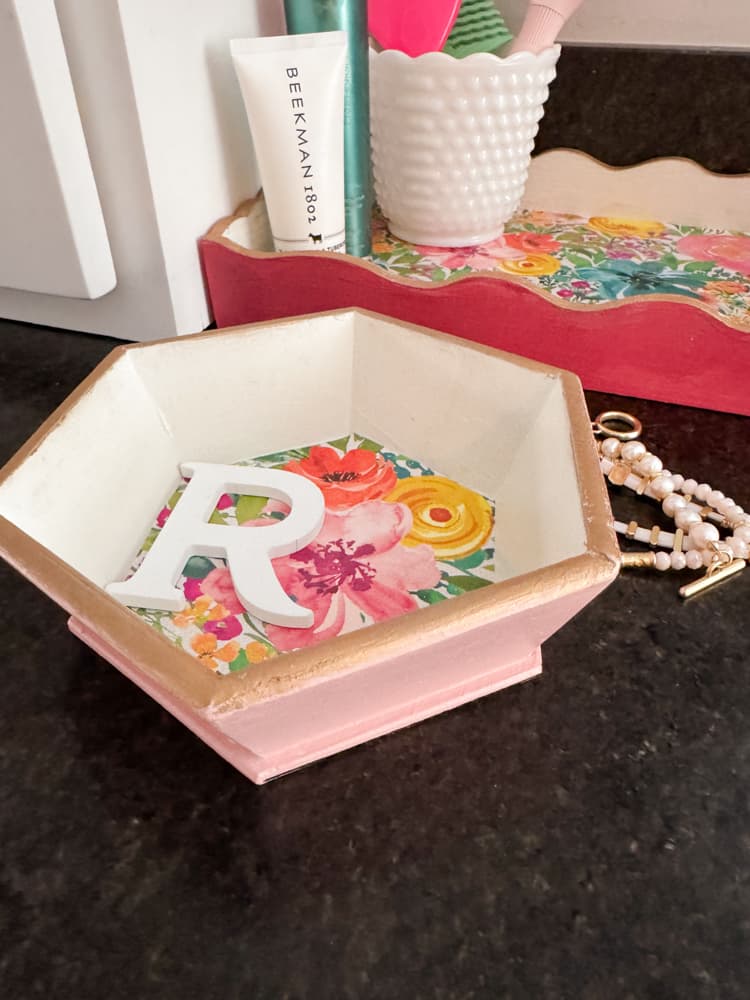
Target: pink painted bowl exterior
x,y
285,733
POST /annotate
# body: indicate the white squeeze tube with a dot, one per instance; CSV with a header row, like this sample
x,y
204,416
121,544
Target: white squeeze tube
x,y
293,88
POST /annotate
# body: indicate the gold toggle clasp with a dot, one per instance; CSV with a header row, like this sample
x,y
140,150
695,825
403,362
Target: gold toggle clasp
x,y
723,566
723,563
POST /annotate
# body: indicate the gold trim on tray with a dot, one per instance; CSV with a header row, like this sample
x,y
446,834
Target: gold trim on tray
x,y
184,677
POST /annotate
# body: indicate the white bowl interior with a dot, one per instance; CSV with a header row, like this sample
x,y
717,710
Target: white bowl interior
x,y
89,493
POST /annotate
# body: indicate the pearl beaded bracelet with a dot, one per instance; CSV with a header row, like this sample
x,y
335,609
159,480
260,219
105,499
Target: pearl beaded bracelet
x,y
698,511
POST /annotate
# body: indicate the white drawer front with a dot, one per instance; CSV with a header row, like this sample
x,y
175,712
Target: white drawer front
x,y
53,237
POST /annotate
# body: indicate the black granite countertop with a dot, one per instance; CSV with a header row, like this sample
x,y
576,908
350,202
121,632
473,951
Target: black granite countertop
x,y
585,835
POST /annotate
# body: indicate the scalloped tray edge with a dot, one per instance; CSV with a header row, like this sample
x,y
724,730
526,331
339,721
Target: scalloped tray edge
x,y
554,163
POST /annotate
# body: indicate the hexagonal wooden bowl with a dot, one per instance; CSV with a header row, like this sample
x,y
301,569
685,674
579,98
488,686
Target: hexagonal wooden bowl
x,y
513,429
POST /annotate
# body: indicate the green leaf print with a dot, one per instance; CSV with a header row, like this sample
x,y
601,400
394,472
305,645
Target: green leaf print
x,y
197,567
472,561
150,539
578,259
340,443
369,445
430,596
239,662
669,260
699,265
464,583
248,508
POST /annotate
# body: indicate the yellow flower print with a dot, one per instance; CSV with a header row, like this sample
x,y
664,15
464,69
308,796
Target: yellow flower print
x,y
453,520
532,265
640,228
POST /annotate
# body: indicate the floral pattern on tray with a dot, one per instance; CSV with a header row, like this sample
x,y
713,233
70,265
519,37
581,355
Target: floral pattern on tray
x,y
396,537
593,260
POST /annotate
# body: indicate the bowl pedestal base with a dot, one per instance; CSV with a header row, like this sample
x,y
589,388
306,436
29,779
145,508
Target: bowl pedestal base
x,y
287,732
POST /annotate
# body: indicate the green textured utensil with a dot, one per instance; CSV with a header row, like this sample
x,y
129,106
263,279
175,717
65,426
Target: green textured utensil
x,y
479,27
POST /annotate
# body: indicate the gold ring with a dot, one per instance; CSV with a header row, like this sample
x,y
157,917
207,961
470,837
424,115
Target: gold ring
x,y
602,422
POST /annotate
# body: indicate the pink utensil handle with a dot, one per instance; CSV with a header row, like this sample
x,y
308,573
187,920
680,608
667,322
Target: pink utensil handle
x,y
542,25
412,26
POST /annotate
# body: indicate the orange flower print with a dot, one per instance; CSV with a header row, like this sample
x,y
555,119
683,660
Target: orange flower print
x,y
726,287
204,644
381,244
538,217
256,652
532,242
348,479
206,648
198,609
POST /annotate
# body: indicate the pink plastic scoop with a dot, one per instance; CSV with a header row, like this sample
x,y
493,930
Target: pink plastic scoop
x,y
412,26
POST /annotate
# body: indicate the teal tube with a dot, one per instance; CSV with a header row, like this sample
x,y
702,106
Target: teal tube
x,y
306,16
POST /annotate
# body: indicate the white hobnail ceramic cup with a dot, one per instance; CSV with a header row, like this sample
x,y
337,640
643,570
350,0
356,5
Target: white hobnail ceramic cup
x,y
452,140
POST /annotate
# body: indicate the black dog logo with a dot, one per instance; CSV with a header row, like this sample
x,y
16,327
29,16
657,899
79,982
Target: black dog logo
x,y
316,237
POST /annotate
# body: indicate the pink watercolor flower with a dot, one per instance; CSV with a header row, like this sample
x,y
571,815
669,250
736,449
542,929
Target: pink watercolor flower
x,y
218,585
619,254
161,517
581,284
565,293
218,582
224,628
356,564
480,258
732,252
192,590
224,501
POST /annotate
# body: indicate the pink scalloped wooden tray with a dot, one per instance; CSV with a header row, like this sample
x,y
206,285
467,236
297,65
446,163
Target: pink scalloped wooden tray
x,y
637,279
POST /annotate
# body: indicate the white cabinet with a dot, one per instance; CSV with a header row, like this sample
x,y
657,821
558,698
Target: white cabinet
x,y
52,234
124,139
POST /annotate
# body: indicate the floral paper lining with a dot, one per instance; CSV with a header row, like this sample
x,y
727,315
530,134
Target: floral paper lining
x,y
592,260
396,537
